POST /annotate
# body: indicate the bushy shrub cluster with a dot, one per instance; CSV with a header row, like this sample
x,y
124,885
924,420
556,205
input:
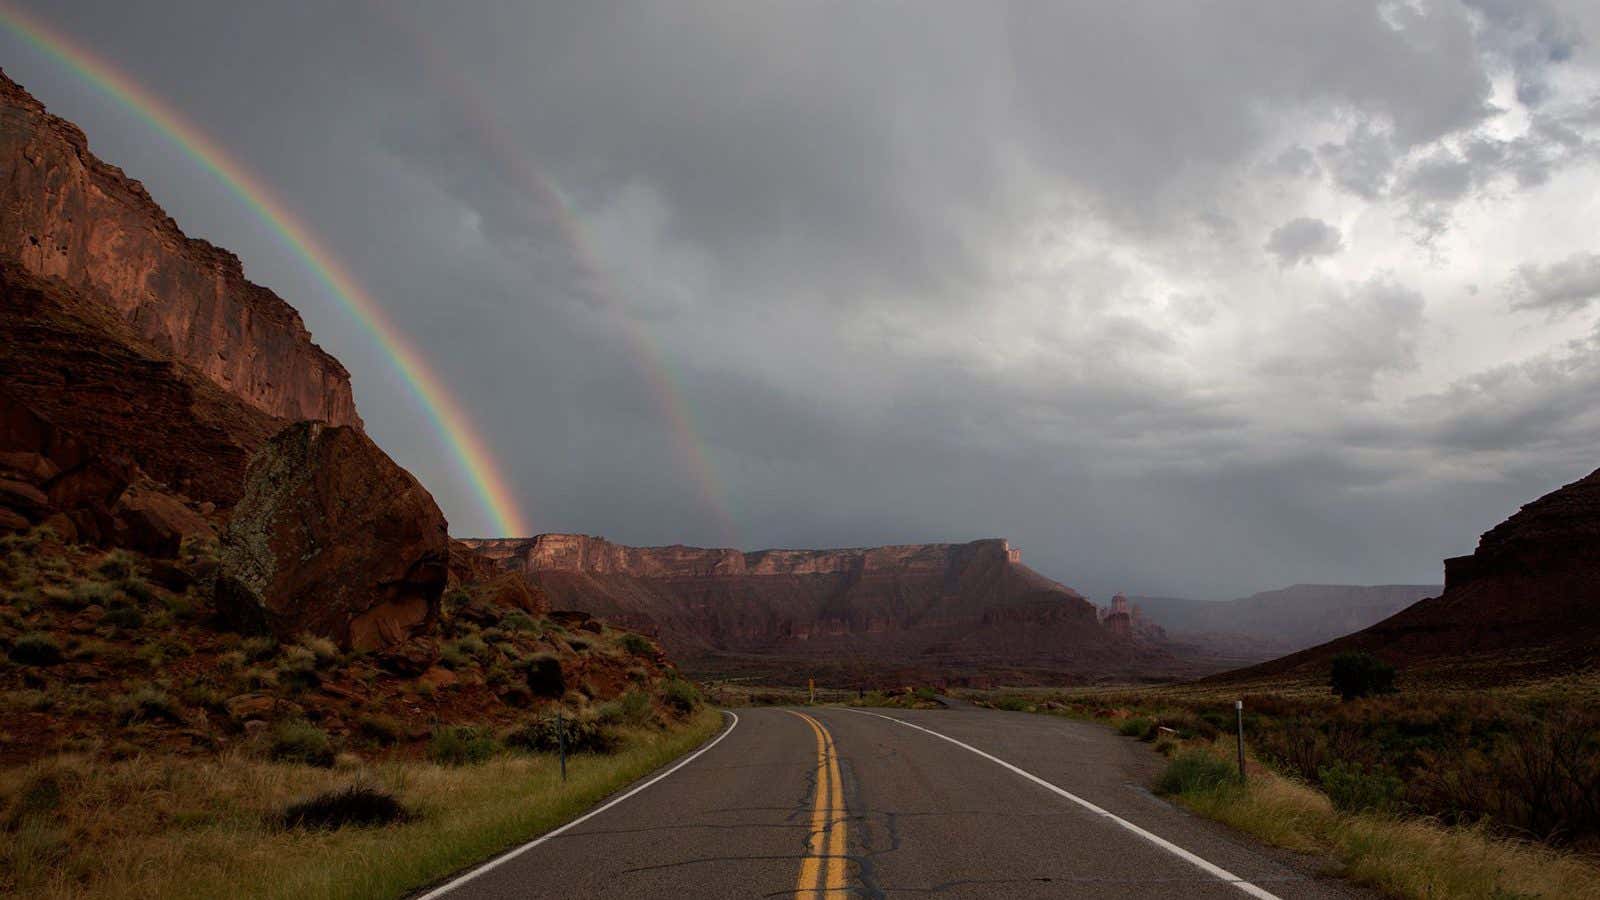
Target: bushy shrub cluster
x,y
1197,772
1528,772
637,644
584,734
459,745
681,695
632,708
1356,675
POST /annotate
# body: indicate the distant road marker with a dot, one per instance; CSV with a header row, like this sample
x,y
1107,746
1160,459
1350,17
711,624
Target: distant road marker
x,y
1211,868
506,857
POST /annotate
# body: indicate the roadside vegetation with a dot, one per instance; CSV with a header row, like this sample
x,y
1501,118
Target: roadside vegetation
x,y
1422,793
147,751
240,826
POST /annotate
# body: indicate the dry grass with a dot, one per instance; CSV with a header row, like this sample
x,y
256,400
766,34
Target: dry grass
x,y
1410,858
183,827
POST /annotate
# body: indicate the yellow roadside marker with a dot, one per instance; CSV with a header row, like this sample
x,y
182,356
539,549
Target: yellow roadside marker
x,y
824,871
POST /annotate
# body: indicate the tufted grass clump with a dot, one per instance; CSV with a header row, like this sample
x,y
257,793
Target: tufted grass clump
x,y
460,745
299,741
1195,772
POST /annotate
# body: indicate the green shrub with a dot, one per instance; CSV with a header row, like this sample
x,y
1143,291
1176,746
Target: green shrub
x,y
451,657
1196,772
90,593
296,740
632,708
637,644
123,616
1354,789
117,564
138,589
519,621
584,733
148,704
380,729
297,668
1135,726
35,649
926,693
180,606
1358,674
1012,703
259,648
323,651
362,807
681,695
297,659
457,745
473,646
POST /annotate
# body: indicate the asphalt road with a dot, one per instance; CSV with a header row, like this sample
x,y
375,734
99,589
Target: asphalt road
x,y
838,803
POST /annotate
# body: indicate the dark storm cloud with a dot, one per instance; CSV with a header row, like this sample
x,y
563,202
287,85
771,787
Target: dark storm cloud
x,y
1560,287
1302,239
1531,36
915,271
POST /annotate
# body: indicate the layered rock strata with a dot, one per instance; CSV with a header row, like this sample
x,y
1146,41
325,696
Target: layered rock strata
x,y
65,214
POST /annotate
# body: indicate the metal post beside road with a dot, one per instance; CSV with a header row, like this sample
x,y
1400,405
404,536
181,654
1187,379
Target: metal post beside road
x,y
1238,709
561,738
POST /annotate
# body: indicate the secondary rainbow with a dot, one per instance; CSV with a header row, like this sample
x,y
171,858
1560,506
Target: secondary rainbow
x,y
642,347
447,414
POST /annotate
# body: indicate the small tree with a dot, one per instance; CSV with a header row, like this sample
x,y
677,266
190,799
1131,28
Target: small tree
x,y
1361,675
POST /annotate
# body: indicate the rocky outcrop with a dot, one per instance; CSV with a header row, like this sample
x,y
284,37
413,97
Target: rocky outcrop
x,y
332,538
1527,598
66,215
949,608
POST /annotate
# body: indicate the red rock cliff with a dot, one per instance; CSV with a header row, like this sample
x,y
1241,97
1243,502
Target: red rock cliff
x,y
598,556
945,610
66,214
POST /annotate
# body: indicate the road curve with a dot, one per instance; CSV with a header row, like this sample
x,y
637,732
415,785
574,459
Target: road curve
x,y
838,803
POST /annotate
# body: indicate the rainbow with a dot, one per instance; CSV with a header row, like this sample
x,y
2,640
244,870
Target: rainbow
x,y
448,415
647,357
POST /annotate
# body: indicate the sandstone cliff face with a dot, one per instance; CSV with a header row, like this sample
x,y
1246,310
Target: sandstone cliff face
x,y
598,556
65,214
1528,597
941,609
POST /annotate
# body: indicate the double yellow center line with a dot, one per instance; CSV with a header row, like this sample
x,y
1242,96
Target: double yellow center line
x,y
824,870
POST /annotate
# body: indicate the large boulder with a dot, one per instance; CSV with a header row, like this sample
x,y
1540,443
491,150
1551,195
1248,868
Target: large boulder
x,y
156,523
334,539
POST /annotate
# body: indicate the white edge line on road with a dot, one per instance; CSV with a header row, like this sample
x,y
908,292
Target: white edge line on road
x,y
506,857
1159,841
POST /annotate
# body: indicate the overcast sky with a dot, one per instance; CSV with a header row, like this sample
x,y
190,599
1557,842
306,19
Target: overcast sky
x,y
1191,299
